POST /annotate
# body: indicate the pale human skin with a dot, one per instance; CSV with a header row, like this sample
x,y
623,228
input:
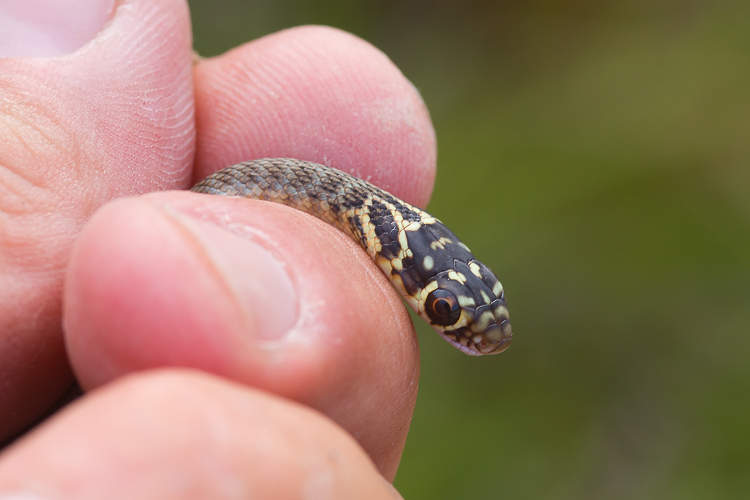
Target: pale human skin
x,y
229,348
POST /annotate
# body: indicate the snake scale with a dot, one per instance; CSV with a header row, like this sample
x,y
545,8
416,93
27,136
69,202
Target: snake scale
x,y
434,272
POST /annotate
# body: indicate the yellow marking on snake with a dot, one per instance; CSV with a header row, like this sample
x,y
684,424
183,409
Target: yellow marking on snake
x,y
434,272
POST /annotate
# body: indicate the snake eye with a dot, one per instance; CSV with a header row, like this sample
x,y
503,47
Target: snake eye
x,y
442,307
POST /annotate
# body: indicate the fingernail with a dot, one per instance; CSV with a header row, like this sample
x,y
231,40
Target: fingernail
x,y
49,28
258,281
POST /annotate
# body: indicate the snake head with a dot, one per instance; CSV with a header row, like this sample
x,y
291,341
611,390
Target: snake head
x,y
466,306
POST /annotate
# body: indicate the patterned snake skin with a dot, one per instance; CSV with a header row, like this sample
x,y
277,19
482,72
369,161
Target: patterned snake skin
x,y
431,268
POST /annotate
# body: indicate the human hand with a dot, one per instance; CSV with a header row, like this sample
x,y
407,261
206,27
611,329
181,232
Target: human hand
x,y
254,293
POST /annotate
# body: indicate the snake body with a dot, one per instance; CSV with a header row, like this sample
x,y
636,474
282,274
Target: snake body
x,y
434,272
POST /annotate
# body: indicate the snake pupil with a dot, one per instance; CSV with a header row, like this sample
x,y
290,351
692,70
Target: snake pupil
x,y
442,307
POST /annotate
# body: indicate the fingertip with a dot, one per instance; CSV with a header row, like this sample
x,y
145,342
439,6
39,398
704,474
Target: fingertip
x,y
148,286
143,291
319,94
184,434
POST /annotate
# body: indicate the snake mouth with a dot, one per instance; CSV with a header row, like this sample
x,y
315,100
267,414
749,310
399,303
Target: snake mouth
x,y
493,340
464,348
479,349
497,348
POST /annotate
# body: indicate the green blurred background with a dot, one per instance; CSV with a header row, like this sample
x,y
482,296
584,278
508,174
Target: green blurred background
x,y
596,156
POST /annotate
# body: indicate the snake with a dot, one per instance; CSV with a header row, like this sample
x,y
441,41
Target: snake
x,y
434,272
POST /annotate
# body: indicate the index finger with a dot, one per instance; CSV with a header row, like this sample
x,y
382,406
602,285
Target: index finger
x,y
317,94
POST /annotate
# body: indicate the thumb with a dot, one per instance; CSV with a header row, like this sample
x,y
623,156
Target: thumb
x,y
113,117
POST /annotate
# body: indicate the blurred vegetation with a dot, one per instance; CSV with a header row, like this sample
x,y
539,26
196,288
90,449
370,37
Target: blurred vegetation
x,y
596,156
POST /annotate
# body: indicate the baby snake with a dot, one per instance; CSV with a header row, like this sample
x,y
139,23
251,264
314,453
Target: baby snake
x,y
434,272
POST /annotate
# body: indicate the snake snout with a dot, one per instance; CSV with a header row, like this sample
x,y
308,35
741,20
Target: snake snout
x,y
496,337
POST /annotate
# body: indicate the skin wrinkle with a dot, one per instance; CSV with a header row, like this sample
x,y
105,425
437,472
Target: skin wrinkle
x,y
25,251
163,147
265,122
201,252
58,125
316,117
39,177
111,32
182,127
151,128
